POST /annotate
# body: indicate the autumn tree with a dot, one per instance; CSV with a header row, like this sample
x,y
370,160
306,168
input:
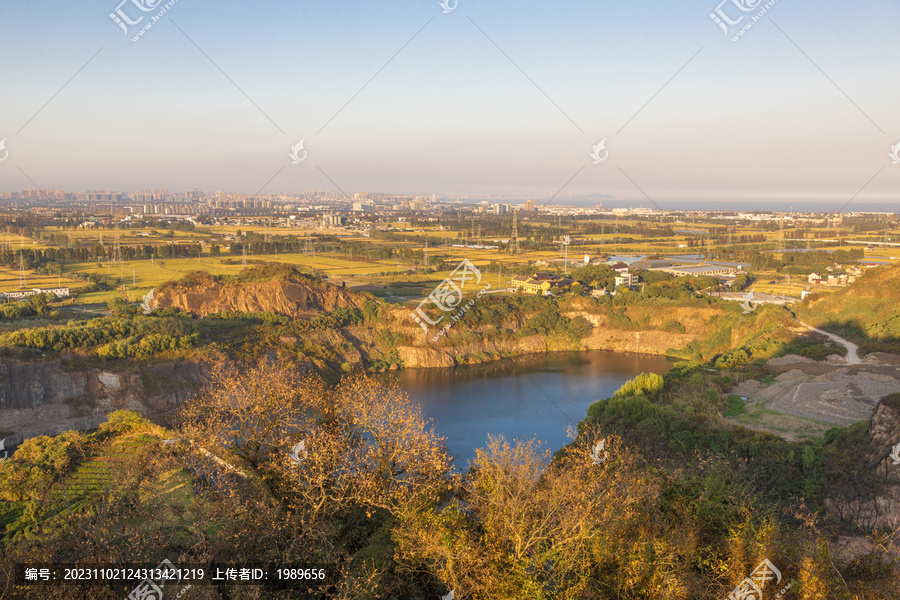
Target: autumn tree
x,y
335,462
524,526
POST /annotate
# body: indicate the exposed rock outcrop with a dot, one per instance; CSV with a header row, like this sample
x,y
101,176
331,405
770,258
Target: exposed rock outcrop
x,y
450,356
42,398
292,297
878,504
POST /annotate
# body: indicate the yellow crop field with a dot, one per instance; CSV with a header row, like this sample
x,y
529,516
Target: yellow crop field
x,y
780,290
141,276
15,242
9,281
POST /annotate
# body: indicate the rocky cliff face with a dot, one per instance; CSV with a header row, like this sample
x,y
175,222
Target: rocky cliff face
x,y
450,356
293,298
41,398
878,503
425,354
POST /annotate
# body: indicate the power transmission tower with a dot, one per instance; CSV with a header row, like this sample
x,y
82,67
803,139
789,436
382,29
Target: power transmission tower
x,y
244,255
514,242
781,245
117,254
23,283
116,249
480,241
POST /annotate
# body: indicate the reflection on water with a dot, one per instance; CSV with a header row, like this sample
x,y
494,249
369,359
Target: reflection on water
x,y
530,397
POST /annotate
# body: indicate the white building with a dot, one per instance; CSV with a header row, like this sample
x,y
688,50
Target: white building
x,y
629,280
60,292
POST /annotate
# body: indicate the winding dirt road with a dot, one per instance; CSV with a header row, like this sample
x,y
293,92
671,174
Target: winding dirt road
x,y
852,357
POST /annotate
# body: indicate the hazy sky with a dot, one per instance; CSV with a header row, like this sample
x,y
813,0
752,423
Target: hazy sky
x,y
496,97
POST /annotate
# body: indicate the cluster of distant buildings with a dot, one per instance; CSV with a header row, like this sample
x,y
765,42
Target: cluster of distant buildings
x,y
543,281
840,279
60,292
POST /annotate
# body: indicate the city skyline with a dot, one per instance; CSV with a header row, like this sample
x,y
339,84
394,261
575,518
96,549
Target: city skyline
x,y
501,100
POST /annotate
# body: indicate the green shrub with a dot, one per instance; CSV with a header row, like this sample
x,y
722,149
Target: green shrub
x,y
643,384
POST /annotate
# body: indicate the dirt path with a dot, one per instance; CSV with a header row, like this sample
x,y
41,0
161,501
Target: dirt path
x,y
852,349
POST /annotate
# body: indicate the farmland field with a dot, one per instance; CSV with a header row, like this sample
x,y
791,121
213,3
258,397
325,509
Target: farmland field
x,y
9,280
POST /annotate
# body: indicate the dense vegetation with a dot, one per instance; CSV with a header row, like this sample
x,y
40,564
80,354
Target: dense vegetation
x,y
110,337
33,306
679,506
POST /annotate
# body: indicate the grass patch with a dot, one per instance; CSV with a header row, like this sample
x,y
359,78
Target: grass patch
x,y
736,407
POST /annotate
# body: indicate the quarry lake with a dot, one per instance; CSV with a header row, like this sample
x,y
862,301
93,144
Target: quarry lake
x,y
529,397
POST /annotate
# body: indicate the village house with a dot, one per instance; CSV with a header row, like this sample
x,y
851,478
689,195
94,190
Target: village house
x,y
541,282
